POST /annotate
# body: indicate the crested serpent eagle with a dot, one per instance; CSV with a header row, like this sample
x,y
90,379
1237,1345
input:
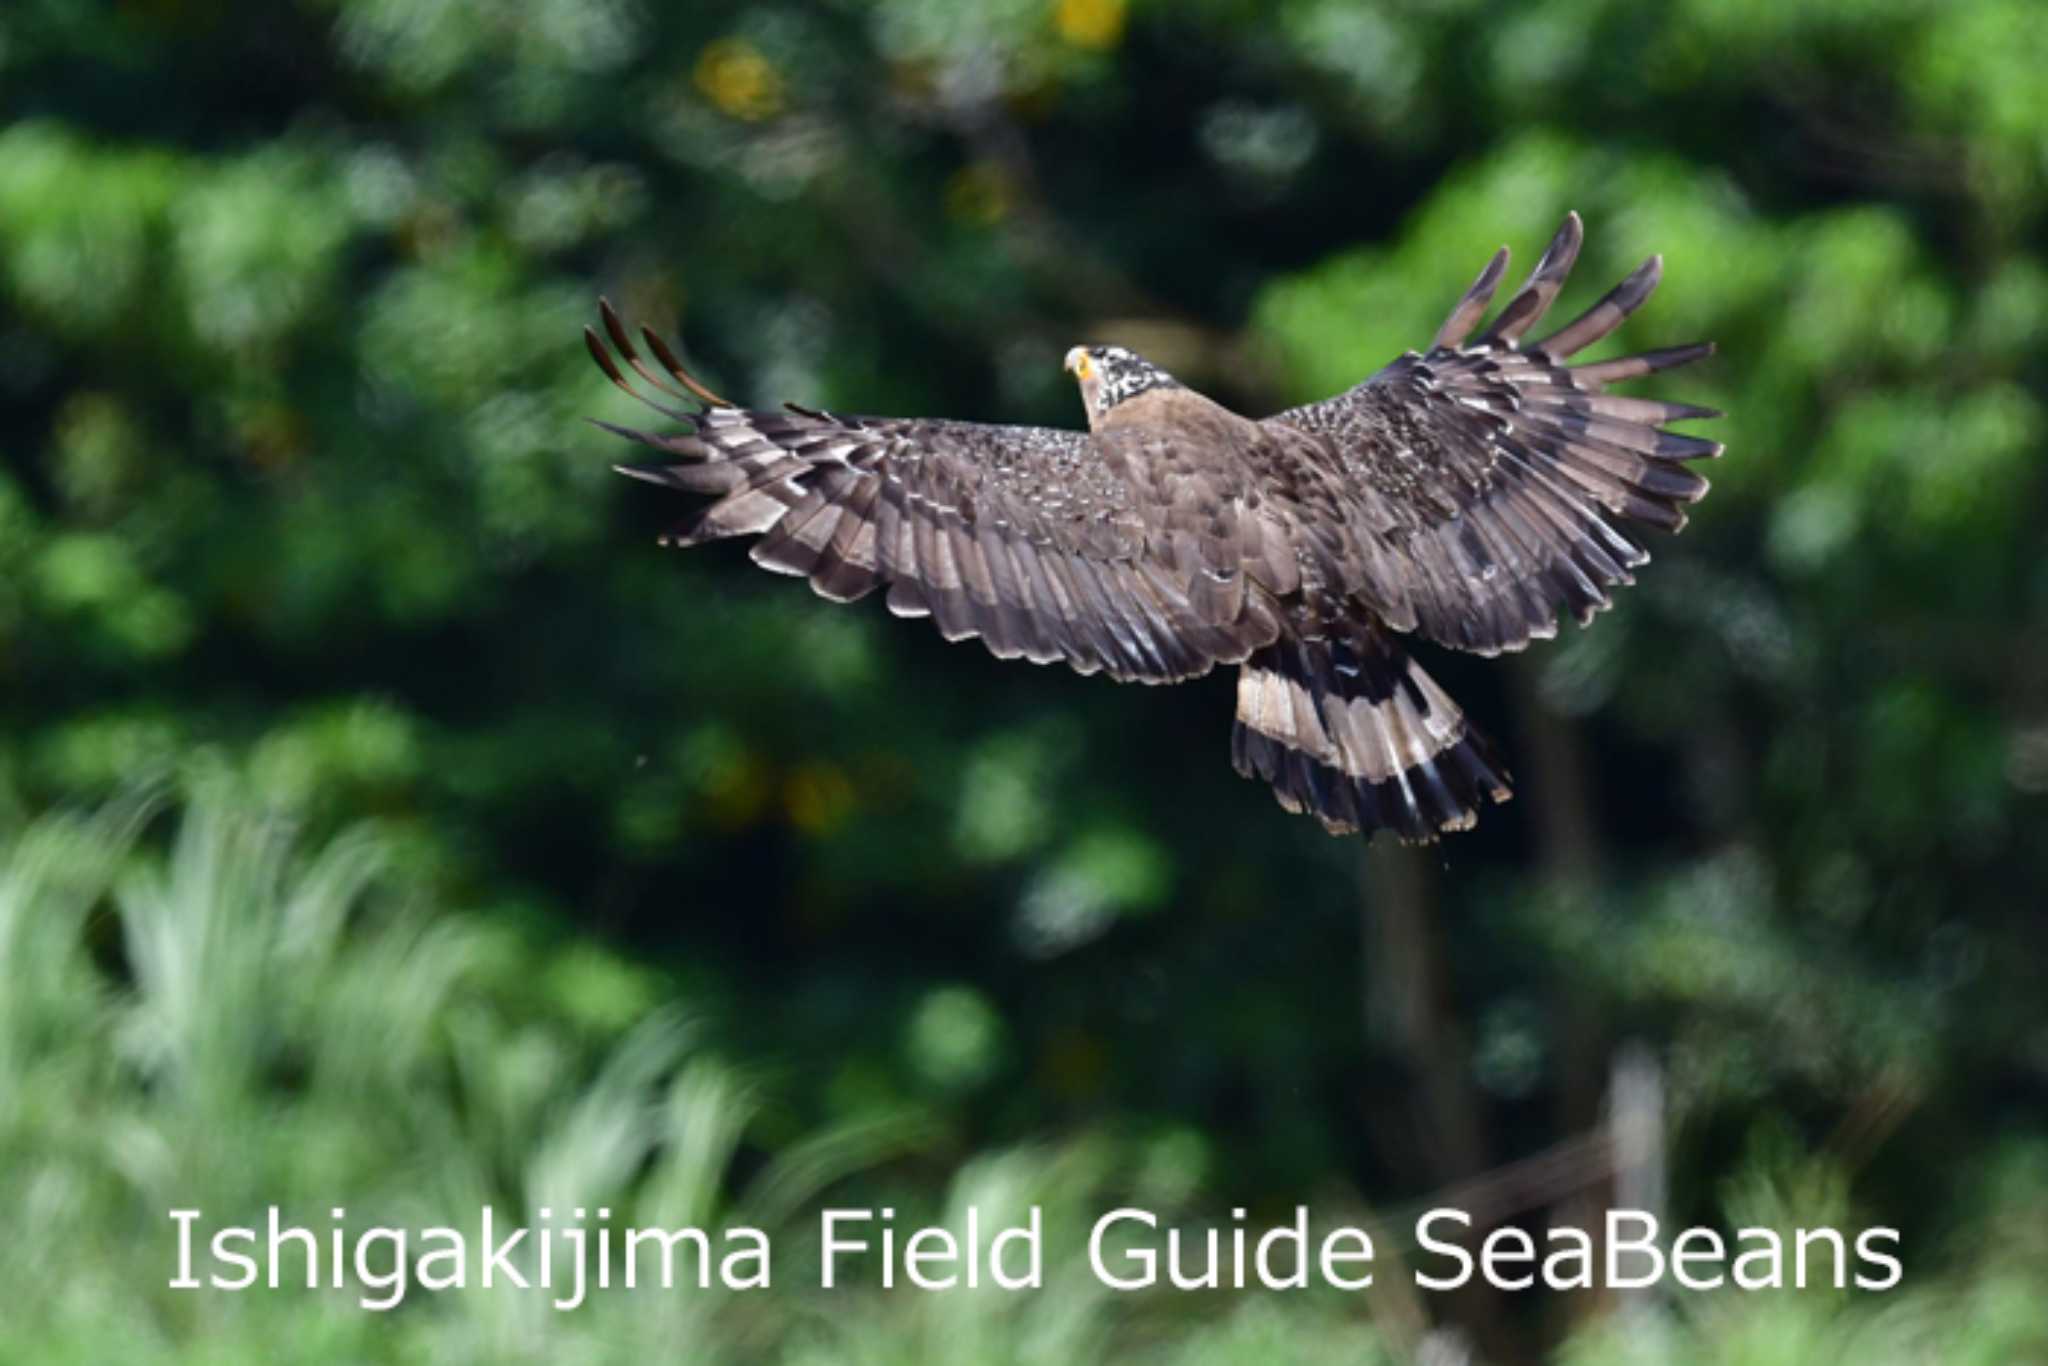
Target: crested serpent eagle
x,y
1462,494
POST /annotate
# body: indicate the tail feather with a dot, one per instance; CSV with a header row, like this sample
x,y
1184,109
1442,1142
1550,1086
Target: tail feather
x,y
1352,731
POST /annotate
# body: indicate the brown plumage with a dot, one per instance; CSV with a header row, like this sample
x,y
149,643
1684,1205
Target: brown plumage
x,y
1463,494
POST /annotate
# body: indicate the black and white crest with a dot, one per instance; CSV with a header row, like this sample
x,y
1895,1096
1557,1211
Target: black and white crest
x,y
1125,374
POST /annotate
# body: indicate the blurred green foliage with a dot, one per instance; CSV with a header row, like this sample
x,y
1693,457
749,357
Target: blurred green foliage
x,y
296,490
296,1023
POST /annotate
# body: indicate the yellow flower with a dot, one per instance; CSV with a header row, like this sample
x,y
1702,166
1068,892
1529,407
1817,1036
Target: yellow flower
x,y
817,797
734,75
980,194
1097,25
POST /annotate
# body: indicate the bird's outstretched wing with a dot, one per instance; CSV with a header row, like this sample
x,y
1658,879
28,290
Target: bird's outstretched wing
x,y
1497,477
1024,536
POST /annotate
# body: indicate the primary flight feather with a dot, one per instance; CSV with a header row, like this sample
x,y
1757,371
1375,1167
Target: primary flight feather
x,y
1464,494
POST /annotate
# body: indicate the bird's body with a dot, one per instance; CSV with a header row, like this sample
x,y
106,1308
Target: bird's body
x,y
1463,494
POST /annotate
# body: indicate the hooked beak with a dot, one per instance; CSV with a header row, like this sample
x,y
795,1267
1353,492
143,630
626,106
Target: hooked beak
x,y
1077,363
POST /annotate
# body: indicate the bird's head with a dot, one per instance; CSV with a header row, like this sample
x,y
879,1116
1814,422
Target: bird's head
x,y
1111,374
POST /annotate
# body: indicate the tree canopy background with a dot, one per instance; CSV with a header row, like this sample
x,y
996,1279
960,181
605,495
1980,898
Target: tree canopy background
x,y
300,528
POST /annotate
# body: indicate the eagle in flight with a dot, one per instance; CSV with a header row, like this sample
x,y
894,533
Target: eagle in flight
x,y
1462,494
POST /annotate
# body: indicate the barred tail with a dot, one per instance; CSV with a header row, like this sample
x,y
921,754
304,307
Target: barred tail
x,y
1351,730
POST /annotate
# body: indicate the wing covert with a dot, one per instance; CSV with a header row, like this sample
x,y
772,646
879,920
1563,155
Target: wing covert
x,y
1023,536
1498,479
